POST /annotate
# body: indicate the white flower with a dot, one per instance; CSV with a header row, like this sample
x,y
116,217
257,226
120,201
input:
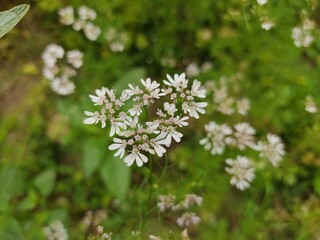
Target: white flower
x,y
51,54
170,108
50,72
66,15
192,70
56,231
119,144
136,110
170,133
100,98
301,37
135,156
116,127
242,172
195,90
78,25
216,136
193,108
192,199
243,105
267,24
149,84
93,117
62,86
86,13
178,81
166,202
74,57
188,220
262,2
117,46
226,106
243,136
91,31
156,144
273,149
152,237
310,105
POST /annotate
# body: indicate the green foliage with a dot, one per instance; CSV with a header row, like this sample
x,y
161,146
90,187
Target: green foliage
x,y
10,18
45,182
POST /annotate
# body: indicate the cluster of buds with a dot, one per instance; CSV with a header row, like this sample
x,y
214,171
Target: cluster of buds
x,y
167,203
59,70
84,22
135,134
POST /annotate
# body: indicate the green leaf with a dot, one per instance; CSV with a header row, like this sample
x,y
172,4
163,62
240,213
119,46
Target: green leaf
x,y
45,182
9,18
11,184
93,152
10,229
30,201
132,76
116,176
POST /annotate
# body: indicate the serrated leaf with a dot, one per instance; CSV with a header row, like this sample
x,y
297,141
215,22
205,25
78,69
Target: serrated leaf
x,y
45,182
93,153
10,229
116,176
132,76
9,18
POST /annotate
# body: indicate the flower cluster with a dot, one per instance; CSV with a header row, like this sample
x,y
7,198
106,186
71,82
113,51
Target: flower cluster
x,y
116,40
241,137
224,103
137,136
55,231
59,70
301,35
242,172
84,22
168,203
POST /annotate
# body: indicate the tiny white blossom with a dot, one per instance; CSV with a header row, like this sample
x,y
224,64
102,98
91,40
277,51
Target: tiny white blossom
x,y
243,105
100,98
91,31
55,231
301,37
62,86
192,70
93,117
262,2
119,144
195,90
152,237
86,13
135,156
166,202
273,149
243,136
51,54
242,172
66,15
74,57
188,220
192,199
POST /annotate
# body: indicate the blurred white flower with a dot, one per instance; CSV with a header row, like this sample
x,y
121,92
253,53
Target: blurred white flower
x,y
74,57
243,105
192,199
55,231
267,24
188,220
301,37
166,202
310,105
243,136
78,24
66,15
262,2
117,46
273,149
184,235
91,31
86,13
242,172
62,86
216,137
192,70
152,237
51,54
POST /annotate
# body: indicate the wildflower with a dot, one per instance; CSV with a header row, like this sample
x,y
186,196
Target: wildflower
x,y
86,13
62,86
51,54
310,105
166,202
216,136
135,156
74,57
66,15
192,199
91,31
188,220
56,231
152,237
273,149
243,136
243,105
119,144
93,118
242,172
262,2
267,24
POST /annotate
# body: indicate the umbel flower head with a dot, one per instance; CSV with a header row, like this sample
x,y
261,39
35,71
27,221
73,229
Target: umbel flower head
x,y
135,136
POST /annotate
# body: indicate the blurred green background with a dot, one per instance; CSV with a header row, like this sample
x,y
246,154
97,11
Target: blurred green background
x,y
53,167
